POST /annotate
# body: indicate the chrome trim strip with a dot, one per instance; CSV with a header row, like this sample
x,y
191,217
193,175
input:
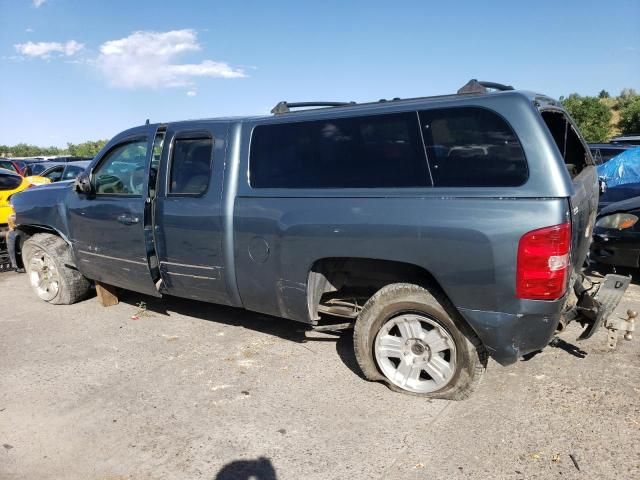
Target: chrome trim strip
x,y
112,258
162,262
190,276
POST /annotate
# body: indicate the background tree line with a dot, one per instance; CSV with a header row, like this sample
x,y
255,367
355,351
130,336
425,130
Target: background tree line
x,y
598,118
602,117
86,149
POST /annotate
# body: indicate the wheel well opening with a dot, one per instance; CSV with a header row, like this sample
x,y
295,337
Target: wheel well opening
x,y
24,233
341,286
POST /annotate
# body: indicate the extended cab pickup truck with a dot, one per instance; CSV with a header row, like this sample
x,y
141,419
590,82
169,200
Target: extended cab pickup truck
x,y
443,229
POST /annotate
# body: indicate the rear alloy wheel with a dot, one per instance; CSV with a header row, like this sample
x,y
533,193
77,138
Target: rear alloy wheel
x,y
415,353
415,341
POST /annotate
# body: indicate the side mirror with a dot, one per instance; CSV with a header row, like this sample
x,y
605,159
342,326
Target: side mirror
x,y
83,184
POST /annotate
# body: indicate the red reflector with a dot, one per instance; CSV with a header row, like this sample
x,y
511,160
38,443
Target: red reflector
x,y
543,261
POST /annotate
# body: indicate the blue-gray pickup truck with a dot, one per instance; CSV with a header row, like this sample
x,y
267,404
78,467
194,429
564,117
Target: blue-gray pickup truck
x,y
442,229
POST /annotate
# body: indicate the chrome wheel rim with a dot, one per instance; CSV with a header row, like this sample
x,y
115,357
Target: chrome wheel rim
x,y
44,276
416,353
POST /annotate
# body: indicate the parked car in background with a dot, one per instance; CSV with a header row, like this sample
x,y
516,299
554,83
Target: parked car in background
x,y
603,152
11,182
616,235
620,177
65,171
29,159
36,168
631,139
8,165
67,158
17,166
442,229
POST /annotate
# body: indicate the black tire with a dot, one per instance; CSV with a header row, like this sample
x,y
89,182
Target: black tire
x,y
72,285
400,298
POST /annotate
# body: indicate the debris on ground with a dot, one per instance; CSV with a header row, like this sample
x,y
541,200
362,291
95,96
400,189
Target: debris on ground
x,y
141,312
575,462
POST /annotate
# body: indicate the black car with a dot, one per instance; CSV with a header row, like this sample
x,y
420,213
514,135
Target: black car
x,y
603,152
616,235
629,139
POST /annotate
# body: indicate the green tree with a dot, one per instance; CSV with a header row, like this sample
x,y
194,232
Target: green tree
x,y
591,115
24,150
603,94
627,96
86,149
630,116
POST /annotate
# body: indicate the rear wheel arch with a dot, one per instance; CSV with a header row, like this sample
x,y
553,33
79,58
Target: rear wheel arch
x,y
367,275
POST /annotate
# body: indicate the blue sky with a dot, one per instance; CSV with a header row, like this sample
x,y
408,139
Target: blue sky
x,y
74,70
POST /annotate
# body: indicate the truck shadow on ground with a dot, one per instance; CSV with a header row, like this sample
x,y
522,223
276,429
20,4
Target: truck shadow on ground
x,y
259,469
561,344
279,327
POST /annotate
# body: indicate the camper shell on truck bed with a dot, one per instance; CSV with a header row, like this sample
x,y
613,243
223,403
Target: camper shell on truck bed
x,y
443,229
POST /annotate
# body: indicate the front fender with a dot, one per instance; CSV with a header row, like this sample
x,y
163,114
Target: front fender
x,y
43,207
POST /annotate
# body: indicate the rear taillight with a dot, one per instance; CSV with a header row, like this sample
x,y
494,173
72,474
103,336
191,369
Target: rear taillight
x,y
543,261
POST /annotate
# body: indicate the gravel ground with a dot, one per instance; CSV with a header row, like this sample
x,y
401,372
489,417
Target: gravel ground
x,y
190,391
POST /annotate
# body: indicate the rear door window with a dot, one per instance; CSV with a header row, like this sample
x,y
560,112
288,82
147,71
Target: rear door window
x,y
190,165
356,152
472,147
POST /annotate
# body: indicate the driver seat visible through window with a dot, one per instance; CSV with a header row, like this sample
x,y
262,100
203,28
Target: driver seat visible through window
x,y
122,172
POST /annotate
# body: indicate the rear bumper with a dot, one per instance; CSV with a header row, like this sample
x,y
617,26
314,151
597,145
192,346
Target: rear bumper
x,y
509,336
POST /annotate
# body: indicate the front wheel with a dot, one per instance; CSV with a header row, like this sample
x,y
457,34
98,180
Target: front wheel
x,y
47,259
405,337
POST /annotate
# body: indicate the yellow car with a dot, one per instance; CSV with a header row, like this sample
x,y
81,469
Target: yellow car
x,y
10,183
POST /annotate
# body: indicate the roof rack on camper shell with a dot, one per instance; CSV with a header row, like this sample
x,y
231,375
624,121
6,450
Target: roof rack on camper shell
x,y
473,86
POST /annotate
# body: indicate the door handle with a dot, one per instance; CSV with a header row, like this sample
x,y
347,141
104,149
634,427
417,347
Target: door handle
x,y
128,219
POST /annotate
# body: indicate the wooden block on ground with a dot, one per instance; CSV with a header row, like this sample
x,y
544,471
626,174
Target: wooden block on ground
x,y
107,295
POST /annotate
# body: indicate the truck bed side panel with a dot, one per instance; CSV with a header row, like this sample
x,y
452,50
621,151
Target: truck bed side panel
x,y
468,244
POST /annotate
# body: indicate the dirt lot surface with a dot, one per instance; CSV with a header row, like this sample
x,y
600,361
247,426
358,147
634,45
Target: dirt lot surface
x,y
190,391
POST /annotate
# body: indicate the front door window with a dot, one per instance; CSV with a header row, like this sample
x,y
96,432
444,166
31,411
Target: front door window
x,y
122,172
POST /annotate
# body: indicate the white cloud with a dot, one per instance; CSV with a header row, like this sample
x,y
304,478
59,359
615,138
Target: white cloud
x,y
28,30
192,93
46,49
38,3
147,59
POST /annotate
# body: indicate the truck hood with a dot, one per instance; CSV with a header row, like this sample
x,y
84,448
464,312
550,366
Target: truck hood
x,y
49,190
